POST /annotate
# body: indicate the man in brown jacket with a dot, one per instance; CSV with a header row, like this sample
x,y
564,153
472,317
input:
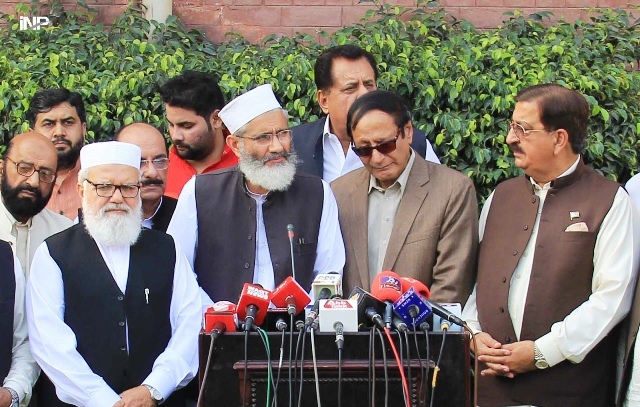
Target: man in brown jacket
x,y
400,212
556,267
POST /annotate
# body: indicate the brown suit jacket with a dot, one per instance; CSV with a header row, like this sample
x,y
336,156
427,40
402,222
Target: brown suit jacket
x,y
435,233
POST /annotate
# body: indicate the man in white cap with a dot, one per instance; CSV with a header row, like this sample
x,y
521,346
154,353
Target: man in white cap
x,y
113,309
232,223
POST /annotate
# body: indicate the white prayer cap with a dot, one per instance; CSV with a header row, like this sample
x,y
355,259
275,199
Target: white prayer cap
x,y
248,106
110,152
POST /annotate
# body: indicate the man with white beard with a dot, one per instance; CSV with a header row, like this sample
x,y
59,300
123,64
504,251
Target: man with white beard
x,y
113,308
232,223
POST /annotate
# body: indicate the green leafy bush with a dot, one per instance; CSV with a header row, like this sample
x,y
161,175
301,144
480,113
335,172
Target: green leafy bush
x,y
460,80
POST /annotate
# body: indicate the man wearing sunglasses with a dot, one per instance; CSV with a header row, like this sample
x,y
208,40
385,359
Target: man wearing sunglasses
x,y
403,213
342,74
28,170
157,208
559,254
233,223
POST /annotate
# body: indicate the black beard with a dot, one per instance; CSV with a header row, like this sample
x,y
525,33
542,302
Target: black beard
x,y
196,153
22,207
68,159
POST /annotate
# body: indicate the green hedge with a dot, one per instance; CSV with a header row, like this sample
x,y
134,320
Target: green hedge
x,y
461,80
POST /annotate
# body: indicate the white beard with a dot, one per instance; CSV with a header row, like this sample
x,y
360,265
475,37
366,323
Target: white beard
x,y
113,229
273,178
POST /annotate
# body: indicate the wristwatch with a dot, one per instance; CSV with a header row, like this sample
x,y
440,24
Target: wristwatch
x,y
155,394
15,400
541,362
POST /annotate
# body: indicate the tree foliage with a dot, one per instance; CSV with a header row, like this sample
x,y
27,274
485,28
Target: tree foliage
x,y
461,81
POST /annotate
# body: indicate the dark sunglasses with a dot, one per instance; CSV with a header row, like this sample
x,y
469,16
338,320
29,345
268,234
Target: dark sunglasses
x,y
385,147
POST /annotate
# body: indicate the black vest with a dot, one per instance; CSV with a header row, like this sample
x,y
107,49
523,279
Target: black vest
x,y
99,313
7,301
225,256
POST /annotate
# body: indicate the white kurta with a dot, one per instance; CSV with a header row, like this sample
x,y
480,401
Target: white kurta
x,y
334,162
633,188
24,370
53,343
330,251
615,260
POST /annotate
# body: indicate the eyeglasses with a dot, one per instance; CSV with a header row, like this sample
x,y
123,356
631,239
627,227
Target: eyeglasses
x,y
27,169
159,163
384,147
265,139
519,131
107,190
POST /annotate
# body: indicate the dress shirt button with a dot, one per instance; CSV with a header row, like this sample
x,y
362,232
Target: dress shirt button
x,y
526,227
121,323
515,252
504,279
246,265
386,218
502,310
384,242
120,298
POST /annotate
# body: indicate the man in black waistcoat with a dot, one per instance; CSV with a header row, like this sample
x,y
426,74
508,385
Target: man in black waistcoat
x,y
113,308
18,369
342,74
157,208
232,223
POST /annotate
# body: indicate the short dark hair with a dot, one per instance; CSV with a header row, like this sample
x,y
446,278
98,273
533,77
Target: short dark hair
x,y
46,99
560,108
382,100
324,63
193,90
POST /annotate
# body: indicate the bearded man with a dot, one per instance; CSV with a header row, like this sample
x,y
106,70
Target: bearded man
x,y
28,170
59,115
113,308
232,223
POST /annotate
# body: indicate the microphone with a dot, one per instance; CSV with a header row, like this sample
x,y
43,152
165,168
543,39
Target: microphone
x,y
412,307
399,324
373,315
289,294
365,300
219,321
445,314
386,287
290,235
331,281
436,308
337,310
313,314
252,305
324,286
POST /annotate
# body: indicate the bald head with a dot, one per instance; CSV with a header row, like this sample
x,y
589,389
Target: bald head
x,y
28,173
154,162
33,141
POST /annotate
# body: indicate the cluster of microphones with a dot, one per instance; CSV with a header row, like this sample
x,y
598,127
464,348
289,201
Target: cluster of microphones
x,y
395,302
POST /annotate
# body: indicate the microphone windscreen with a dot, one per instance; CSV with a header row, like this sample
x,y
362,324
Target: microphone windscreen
x,y
418,286
290,287
332,281
253,294
212,317
386,286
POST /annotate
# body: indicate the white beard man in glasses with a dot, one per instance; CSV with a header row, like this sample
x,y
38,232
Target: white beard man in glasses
x,y
232,223
401,213
113,309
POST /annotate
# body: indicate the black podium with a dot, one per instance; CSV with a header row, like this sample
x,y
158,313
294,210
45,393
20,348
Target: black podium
x,y
226,384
